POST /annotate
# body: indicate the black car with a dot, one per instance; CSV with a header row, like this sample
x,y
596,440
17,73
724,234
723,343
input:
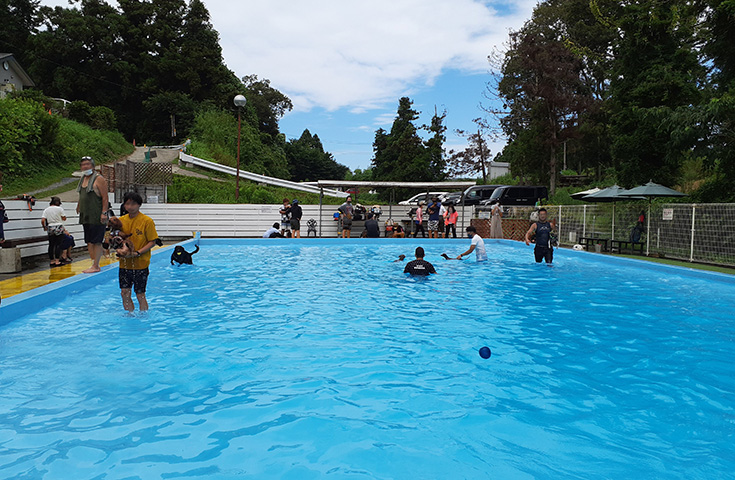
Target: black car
x,y
475,194
512,196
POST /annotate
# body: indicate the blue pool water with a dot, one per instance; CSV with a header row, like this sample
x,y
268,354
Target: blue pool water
x,y
320,359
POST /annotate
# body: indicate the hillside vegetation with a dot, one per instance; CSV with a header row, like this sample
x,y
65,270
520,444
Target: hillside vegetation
x,y
37,148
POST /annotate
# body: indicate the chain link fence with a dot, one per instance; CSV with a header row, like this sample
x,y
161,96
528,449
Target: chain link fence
x,y
692,232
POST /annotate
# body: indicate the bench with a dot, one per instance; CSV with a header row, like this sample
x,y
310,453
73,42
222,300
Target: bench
x,y
23,241
592,241
619,245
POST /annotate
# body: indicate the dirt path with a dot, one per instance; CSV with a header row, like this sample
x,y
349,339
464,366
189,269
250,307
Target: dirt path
x,y
163,155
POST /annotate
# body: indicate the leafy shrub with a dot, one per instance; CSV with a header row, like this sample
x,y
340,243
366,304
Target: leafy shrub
x,y
102,118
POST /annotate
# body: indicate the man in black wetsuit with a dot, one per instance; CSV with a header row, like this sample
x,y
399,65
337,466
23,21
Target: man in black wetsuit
x,y
544,250
419,266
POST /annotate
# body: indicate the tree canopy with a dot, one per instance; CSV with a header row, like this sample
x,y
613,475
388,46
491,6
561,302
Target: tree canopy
x,y
637,90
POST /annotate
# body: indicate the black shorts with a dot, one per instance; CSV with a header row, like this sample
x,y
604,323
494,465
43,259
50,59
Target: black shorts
x,y
346,224
295,224
93,233
543,253
133,278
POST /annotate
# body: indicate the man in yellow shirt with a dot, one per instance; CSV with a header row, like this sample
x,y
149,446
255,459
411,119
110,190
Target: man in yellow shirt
x,y
134,266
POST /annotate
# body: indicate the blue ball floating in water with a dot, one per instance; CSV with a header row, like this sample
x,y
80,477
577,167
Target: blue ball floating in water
x,y
485,352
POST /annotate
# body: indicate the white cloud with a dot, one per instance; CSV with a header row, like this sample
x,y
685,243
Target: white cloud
x,y
359,54
384,119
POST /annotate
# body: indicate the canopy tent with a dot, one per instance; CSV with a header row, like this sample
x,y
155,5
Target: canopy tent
x,y
322,184
581,195
610,194
649,191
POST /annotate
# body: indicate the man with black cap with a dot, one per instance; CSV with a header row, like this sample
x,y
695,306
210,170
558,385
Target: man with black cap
x,y
296,214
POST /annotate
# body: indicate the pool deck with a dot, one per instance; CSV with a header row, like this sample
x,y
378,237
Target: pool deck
x,y
12,284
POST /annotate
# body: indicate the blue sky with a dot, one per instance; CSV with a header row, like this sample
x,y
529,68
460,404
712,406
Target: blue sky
x,y
345,63
349,136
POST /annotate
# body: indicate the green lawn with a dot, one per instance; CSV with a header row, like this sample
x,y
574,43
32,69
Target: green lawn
x,y
679,263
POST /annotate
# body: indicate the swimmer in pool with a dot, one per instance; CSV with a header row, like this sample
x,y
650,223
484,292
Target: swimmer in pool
x,y
419,266
181,256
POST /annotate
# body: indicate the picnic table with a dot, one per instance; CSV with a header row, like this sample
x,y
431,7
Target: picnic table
x,y
592,241
619,245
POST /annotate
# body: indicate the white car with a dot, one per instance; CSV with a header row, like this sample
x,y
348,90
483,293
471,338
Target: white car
x,y
422,197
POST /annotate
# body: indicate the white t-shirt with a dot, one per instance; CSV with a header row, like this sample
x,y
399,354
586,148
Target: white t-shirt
x,y
270,232
53,215
479,244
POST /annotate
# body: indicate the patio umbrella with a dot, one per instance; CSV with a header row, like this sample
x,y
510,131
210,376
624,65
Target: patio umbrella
x,y
649,191
610,194
581,195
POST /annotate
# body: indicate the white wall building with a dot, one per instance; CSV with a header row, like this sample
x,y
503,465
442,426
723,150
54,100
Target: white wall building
x,y
12,76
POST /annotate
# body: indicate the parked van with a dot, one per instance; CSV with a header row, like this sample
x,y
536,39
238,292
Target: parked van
x,y
518,196
477,193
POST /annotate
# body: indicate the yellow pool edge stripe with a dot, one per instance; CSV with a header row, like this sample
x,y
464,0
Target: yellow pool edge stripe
x,y
29,281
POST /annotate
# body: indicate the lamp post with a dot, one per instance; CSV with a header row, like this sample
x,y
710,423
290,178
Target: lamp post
x,y
240,102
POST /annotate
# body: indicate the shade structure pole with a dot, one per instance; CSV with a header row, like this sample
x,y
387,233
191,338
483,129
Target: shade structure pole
x,y
648,228
584,220
391,199
321,220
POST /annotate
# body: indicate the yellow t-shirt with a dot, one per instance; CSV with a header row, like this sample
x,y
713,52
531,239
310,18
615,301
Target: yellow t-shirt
x,y
143,231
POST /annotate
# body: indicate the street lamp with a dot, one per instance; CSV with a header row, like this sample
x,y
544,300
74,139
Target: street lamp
x,y
240,102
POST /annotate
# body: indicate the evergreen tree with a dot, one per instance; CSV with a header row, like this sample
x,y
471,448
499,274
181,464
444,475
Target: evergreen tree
x,y
309,162
402,156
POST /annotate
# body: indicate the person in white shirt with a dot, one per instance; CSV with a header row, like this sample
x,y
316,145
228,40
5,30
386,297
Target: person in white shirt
x,y
273,232
477,245
52,221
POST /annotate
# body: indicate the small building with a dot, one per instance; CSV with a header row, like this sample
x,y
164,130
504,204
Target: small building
x,y
12,76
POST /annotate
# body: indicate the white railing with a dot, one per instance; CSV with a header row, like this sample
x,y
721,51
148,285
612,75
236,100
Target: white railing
x,y
255,177
178,220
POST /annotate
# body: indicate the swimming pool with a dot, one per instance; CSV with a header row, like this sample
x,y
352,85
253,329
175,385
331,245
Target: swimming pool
x,y
319,358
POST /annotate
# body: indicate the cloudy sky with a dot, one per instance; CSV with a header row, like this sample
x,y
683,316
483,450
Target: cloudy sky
x,y
345,63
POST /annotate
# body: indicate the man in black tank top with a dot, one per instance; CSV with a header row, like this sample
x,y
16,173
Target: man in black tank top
x,y
544,250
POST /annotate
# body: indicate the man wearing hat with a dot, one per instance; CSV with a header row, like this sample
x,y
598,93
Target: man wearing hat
x,y
296,214
92,204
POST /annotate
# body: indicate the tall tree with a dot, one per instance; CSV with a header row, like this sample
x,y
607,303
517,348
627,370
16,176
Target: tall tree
x,y
309,162
656,70
436,159
19,20
401,154
543,92
475,157
269,104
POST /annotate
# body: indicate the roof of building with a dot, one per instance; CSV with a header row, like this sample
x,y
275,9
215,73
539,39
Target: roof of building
x,y
22,74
